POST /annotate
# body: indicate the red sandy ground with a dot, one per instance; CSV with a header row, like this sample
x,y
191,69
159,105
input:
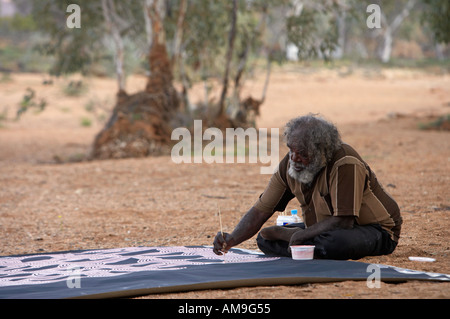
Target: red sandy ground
x,y
47,206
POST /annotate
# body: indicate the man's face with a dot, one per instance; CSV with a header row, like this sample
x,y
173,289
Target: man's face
x,y
301,166
298,157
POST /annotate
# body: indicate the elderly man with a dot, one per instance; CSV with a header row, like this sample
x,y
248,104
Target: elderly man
x,y
346,212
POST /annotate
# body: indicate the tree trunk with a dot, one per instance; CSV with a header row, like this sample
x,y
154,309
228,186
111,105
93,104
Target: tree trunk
x,y
386,49
266,82
179,32
177,60
161,76
390,29
231,37
341,29
108,8
246,111
142,123
148,27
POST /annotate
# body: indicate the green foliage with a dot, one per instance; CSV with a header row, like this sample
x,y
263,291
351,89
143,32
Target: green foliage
x,y
29,101
313,33
75,50
205,32
85,122
205,36
264,27
440,123
23,23
18,23
75,88
437,15
80,49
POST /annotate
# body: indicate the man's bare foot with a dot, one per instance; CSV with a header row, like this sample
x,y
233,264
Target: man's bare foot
x,y
279,233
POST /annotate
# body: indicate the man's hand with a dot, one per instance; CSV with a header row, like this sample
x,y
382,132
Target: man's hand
x,y
329,224
222,243
248,226
298,237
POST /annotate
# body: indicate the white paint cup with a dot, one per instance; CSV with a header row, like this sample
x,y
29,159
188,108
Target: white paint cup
x,y
302,252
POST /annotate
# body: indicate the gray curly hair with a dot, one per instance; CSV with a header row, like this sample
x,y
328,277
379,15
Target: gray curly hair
x,y
315,137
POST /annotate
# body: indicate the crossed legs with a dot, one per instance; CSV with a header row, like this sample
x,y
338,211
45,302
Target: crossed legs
x,y
355,243
279,232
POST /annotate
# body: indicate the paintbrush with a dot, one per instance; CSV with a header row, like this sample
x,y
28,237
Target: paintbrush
x,y
221,228
220,222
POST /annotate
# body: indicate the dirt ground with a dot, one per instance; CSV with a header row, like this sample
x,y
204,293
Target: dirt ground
x,y
51,201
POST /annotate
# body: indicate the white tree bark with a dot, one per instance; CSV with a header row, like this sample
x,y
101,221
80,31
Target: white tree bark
x,y
155,14
340,49
112,24
148,24
390,29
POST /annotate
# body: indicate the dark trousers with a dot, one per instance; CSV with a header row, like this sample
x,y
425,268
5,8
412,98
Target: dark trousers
x,y
355,243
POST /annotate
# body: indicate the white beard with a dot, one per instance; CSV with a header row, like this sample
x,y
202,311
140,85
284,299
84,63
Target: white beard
x,y
304,176
307,174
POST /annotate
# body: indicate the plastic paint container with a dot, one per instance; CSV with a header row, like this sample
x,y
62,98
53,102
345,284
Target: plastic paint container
x,y
302,252
283,220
